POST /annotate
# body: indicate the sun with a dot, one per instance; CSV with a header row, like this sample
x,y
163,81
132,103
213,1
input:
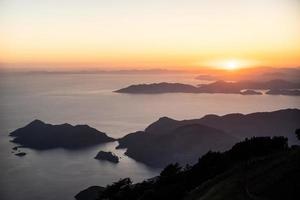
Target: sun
x,y
231,65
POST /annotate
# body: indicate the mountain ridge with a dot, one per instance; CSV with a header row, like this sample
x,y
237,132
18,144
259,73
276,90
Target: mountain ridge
x,y
148,146
281,86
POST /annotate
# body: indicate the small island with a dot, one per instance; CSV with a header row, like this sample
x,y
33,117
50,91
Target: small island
x,y
21,154
15,148
107,156
250,92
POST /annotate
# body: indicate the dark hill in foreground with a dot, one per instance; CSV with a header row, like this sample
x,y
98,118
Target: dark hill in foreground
x,y
39,135
273,177
168,140
259,168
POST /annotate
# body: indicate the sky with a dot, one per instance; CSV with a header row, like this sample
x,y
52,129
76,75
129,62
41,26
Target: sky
x,y
171,34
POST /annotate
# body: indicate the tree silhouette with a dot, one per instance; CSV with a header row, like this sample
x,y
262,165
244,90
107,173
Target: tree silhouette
x,y
171,170
297,132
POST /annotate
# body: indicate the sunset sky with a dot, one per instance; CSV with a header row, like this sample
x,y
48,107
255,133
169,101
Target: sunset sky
x,y
115,34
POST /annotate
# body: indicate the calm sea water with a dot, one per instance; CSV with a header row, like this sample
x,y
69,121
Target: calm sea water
x,y
88,99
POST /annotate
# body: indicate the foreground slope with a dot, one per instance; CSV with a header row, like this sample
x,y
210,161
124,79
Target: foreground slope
x,y
257,168
273,177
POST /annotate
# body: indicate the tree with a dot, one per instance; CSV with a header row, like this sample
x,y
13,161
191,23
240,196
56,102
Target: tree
x,y
297,132
112,191
171,170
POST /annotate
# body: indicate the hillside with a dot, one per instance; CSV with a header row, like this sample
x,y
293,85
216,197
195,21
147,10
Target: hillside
x,y
183,144
271,177
259,168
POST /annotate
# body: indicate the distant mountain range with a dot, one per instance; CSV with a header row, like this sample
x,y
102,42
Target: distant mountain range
x,y
283,92
255,74
203,73
281,86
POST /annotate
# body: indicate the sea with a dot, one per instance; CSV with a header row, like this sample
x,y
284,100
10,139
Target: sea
x,y
90,99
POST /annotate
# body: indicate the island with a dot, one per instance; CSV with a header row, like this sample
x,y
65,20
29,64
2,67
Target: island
x,y
20,154
250,92
107,156
15,148
167,140
41,136
224,87
157,88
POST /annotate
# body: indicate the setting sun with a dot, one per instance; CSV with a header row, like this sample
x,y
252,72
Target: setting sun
x,y
231,65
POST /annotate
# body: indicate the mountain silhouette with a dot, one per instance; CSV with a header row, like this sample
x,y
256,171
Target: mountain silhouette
x,y
225,87
168,140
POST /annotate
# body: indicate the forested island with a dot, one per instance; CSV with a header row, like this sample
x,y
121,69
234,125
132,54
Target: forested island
x,y
107,156
42,136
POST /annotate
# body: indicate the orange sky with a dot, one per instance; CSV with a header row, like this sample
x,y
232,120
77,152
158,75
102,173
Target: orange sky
x,y
143,34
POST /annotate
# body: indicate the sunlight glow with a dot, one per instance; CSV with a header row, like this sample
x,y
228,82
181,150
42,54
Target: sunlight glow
x,y
231,65
149,34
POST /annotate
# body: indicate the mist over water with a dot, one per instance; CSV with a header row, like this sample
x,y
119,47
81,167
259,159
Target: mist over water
x,y
89,99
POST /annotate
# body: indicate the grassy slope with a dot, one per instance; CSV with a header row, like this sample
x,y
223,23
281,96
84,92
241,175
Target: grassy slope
x,y
273,177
